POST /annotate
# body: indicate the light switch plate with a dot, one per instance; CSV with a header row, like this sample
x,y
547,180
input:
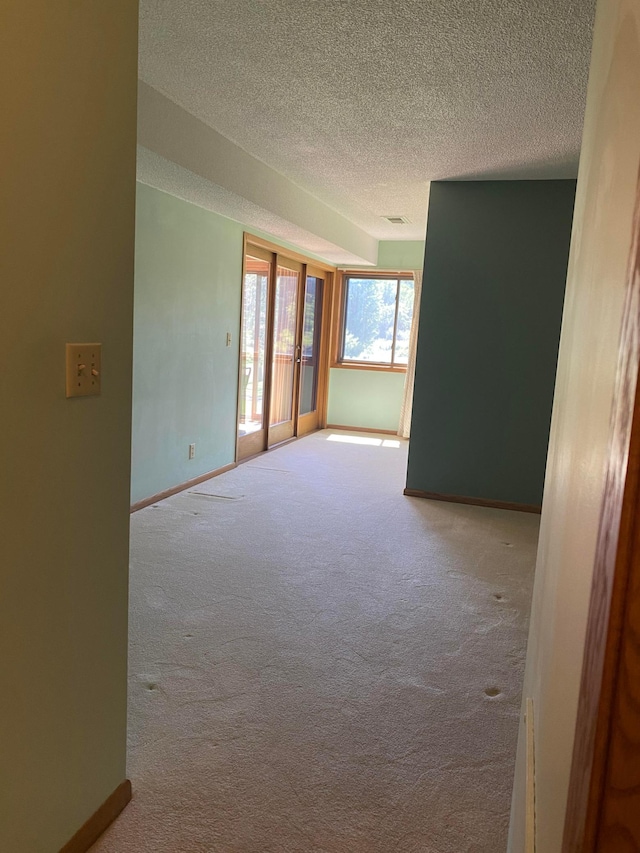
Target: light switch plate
x,y
84,369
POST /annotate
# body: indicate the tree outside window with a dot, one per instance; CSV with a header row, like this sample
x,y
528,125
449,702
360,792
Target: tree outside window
x,y
377,320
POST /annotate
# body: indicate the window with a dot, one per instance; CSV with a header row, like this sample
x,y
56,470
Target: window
x,y
376,320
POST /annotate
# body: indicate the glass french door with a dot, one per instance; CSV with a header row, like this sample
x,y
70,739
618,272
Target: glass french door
x,y
281,369
285,360
253,348
310,351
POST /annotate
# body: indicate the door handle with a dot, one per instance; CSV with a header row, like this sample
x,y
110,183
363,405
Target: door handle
x,y
298,354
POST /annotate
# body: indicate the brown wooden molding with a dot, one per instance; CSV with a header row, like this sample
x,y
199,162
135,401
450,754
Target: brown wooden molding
x,y
338,317
277,248
277,256
463,499
364,429
90,831
181,488
326,347
619,819
602,813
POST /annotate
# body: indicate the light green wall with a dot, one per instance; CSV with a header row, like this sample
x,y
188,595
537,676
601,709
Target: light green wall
x,y
187,297
365,398
400,254
396,255
68,91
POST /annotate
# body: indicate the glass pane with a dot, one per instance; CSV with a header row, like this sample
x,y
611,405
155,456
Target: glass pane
x,y
310,345
252,344
405,313
284,339
370,315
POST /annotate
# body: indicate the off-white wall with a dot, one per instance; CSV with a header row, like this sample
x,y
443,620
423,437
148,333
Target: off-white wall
x,y
580,423
67,142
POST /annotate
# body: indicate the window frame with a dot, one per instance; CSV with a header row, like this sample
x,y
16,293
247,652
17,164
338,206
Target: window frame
x,y
337,360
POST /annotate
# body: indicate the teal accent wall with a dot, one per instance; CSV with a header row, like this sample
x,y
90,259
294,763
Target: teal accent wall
x,y
187,297
494,277
365,398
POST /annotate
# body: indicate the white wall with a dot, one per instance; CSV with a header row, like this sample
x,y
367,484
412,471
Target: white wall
x,y
580,425
67,142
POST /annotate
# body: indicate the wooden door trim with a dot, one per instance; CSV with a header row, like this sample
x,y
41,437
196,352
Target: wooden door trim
x,y
268,350
256,251
275,254
276,432
316,272
100,820
617,563
288,263
337,316
246,444
239,385
325,348
308,422
277,249
250,444
297,365
279,433
315,420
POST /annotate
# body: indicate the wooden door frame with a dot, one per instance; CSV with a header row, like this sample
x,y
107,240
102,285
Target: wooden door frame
x,y
283,261
325,346
603,807
329,272
253,441
322,356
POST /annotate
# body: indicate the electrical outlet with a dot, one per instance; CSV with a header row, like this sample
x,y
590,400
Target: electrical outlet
x,y
228,339
192,451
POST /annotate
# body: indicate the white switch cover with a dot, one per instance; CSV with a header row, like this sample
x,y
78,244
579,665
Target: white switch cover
x,y
84,369
192,451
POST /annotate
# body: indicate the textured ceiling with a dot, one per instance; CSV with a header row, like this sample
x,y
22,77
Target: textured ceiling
x,y
157,171
362,102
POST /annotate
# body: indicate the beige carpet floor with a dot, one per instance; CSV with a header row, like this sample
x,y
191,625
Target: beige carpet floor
x,y
319,664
